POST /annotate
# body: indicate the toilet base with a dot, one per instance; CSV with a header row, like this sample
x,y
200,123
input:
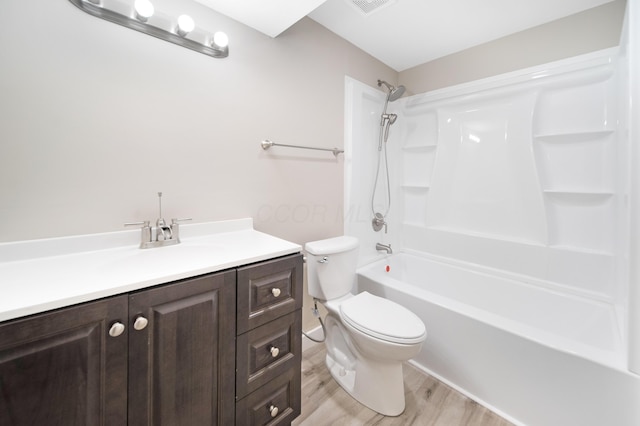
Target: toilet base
x,y
375,384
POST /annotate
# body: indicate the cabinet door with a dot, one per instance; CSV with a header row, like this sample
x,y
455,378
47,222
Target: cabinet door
x,y
63,368
182,363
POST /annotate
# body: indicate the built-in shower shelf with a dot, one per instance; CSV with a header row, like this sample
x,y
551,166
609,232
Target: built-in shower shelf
x,y
578,194
573,137
581,250
419,148
415,187
581,221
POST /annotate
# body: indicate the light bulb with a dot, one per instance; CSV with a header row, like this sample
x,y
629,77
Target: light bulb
x,y
185,25
220,39
144,10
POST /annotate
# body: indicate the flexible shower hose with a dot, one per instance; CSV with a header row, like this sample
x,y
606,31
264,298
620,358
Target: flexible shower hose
x,y
375,183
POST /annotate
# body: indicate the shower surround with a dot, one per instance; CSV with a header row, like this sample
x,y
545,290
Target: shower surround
x,y
524,174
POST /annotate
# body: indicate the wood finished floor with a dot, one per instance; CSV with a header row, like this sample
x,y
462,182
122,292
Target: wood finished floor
x,y
429,402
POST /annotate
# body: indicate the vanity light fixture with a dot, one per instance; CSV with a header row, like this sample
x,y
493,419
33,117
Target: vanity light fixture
x,y
141,15
185,25
143,10
220,40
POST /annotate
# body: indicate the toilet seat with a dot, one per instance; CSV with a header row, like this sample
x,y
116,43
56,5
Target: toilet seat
x,y
382,319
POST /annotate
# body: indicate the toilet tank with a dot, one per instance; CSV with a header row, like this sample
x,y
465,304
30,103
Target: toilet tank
x,y
331,266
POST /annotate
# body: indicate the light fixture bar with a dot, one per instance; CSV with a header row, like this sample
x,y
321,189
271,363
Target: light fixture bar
x,y
93,9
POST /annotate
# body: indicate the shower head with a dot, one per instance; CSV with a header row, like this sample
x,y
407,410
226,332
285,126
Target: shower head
x,y
391,118
394,92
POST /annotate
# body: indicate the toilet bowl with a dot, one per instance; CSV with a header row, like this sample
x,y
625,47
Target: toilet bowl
x,y
367,337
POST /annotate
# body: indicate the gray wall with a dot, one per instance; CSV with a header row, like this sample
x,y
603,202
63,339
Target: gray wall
x,y
95,119
588,31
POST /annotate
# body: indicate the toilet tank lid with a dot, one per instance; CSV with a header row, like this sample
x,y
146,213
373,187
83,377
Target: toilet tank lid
x,y
331,245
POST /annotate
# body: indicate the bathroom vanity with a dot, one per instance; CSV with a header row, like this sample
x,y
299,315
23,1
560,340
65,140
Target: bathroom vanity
x,y
202,333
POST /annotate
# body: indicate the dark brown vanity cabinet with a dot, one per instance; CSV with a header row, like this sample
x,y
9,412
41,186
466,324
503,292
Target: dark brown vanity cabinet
x,y
166,355
63,369
269,342
163,356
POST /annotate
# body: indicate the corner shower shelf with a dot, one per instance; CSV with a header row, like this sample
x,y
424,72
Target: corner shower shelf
x,y
581,221
578,193
581,250
573,137
415,187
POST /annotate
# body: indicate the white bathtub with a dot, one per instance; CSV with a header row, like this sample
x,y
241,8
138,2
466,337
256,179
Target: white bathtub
x,y
534,355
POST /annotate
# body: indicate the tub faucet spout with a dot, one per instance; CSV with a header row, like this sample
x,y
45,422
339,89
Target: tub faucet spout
x,y
385,247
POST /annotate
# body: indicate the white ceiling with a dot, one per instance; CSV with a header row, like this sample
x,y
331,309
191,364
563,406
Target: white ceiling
x,y
270,17
405,33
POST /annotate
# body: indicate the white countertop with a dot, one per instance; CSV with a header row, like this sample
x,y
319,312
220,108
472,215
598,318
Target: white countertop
x,y
39,275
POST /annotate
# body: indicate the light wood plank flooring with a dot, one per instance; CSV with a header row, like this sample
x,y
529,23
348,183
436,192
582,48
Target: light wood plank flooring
x,y
429,402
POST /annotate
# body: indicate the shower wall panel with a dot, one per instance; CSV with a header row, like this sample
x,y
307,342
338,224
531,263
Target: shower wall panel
x,y
363,107
518,172
485,180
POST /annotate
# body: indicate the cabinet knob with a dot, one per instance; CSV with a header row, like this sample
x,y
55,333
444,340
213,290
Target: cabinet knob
x,y
274,351
275,291
117,328
273,410
140,323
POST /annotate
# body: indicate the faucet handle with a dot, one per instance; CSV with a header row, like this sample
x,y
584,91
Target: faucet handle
x,y
175,227
175,221
144,223
145,237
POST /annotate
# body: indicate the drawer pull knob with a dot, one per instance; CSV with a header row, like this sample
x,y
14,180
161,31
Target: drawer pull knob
x,y
274,351
275,291
273,410
140,323
117,328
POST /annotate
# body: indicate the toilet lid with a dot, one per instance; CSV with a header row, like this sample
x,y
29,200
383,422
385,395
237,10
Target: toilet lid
x,y
383,319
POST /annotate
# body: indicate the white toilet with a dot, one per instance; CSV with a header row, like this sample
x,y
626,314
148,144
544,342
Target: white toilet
x,y
367,337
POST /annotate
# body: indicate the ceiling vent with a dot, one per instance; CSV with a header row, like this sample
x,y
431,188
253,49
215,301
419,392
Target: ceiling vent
x,y
367,7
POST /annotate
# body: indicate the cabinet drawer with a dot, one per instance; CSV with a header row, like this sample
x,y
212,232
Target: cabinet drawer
x,y
267,352
268,290
282,393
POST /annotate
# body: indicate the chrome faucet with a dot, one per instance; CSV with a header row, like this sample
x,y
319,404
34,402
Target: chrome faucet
x,y
165,235
385,247
163,232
